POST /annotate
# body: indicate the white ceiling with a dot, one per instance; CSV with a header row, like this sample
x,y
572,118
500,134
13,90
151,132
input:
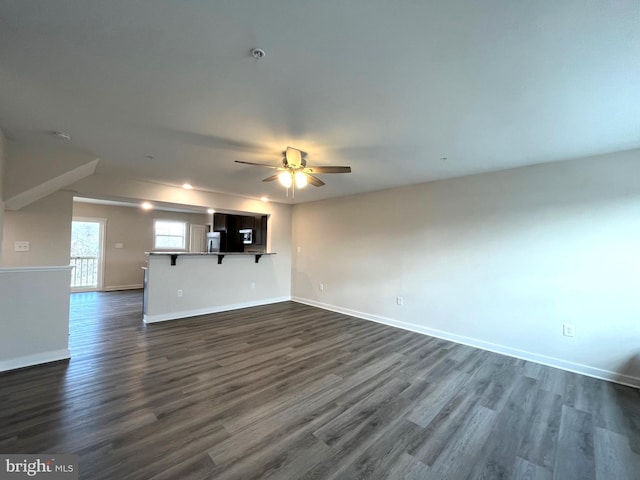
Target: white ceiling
x,y
388,87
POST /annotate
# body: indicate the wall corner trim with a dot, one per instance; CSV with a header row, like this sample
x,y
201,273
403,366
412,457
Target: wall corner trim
x,y
53,268
115,288
587,370
35,359
163,317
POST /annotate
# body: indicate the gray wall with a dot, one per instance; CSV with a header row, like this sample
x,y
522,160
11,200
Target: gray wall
x,y
34,319
133,227
498,260
46,224
2,162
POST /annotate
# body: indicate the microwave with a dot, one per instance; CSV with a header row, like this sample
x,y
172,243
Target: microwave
x,y
247,235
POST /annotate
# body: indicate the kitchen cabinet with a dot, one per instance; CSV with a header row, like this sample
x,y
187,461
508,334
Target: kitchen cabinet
x,y
245,221
260,226
229,226
220,222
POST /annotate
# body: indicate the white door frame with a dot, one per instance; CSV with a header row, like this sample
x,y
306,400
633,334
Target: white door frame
x,y
103,229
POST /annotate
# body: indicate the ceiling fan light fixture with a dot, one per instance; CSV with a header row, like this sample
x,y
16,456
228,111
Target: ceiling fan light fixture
x,y
293,156
301,179
285,179
294,172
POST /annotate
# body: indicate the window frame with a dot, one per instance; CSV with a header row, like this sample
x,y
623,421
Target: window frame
x,y
183,236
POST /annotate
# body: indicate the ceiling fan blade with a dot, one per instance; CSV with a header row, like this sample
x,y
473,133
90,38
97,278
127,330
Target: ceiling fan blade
x,y
258,164
315,181
271,178
328,170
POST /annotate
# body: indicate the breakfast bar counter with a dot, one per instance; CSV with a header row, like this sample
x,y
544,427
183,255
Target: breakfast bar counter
x,y
184,284
219,255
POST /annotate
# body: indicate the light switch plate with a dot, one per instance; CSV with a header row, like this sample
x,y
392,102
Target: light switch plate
x,y
119,245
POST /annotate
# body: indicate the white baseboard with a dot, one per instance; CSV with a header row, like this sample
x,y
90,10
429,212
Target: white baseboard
x,y
587,370
163,317
35,359
137,286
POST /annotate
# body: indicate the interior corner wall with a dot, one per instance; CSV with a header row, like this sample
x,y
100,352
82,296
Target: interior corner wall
x,y
46,225
500,261
133,228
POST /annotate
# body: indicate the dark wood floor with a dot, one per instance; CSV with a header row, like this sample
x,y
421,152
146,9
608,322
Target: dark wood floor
x,y
293,392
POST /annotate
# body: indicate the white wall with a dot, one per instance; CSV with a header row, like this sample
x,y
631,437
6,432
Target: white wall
x,y
133,228
2,162
34,319
499,260
208,287
46,224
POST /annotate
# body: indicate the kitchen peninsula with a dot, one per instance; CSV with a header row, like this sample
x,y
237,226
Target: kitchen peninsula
x,y
183,284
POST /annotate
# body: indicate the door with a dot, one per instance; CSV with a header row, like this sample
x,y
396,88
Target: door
x,y
197,238
87,258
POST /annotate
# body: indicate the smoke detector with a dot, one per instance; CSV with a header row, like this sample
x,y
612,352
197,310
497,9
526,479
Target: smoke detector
x,y
257,53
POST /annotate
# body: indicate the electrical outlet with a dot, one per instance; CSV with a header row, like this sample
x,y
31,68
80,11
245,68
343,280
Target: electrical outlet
x,y
253,285
400,301
299,248
22,246
179,293
322,287
568,330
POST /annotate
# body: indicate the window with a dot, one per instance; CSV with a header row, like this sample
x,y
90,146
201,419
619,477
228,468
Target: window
x,y
169,235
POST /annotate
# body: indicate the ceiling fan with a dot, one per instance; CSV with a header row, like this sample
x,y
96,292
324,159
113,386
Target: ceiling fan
x,y
294,170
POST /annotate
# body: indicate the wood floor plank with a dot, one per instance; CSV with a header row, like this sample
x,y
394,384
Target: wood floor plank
x,y
510,422
289,391
387,457
540,435
458,459
525,470
575,456
613,457
424,413
404,468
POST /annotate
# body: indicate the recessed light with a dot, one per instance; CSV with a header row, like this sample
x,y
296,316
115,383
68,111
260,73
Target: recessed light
x,y
211,210
187,186
149,157
62,135
264,199
147,206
